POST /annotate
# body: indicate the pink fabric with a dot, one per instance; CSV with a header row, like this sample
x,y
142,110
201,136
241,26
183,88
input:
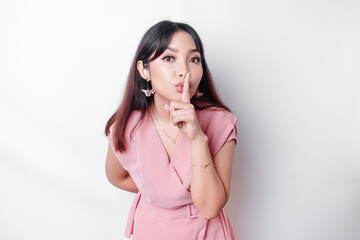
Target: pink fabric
x,y
163,207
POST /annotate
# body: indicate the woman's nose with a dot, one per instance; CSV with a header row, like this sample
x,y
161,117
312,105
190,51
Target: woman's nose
x,y
182,69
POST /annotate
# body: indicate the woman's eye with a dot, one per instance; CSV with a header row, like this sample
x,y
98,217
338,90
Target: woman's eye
x,y
196,59
167,58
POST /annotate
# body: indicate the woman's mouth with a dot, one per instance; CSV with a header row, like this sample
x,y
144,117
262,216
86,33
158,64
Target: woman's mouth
x,y
179,88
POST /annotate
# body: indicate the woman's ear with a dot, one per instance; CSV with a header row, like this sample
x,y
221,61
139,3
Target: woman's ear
x,y
144,72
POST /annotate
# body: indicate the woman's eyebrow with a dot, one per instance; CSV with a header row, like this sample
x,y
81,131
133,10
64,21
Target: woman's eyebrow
x,y
175,50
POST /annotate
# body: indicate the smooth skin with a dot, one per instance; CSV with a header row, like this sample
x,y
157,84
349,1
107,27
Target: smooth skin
x,y
210,186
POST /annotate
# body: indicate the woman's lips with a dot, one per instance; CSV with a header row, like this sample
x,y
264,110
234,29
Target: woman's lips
x,y
179,88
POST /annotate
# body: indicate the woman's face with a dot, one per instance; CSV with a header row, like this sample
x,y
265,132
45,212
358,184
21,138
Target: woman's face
x,y
170,68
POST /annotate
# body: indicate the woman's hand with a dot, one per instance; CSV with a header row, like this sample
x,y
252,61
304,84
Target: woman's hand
x,y
183,114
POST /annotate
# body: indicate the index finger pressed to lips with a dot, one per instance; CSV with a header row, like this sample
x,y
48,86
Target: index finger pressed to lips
x,y
186,89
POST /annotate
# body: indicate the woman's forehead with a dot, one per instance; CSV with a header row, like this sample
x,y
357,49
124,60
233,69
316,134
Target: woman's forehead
x,y
182,40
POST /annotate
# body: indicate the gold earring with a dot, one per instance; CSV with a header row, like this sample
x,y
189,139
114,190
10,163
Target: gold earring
x,y
198,94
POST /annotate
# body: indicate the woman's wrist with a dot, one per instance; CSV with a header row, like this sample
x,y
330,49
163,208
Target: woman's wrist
x,y
198,143
204,165
201,138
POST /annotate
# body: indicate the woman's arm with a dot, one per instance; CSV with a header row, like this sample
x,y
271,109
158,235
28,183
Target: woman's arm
x,y
117,175
210,185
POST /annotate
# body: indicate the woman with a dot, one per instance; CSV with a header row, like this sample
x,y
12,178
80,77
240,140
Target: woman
x,y
172,140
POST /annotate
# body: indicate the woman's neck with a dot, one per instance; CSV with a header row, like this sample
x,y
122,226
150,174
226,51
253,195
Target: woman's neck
x,y
157,109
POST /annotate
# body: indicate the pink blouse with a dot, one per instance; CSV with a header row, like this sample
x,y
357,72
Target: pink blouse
x,y
163,208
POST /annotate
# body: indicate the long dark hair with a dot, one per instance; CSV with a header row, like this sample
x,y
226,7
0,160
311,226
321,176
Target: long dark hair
x,y
157,38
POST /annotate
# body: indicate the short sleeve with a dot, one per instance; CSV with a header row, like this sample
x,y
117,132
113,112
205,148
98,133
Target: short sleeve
x,y
126,157
221,129
120,156
110,136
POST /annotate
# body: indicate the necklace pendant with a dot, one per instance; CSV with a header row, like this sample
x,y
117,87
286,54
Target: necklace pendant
x,y
173,142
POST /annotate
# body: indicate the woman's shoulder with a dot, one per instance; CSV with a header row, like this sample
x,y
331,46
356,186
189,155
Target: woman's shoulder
x,y
134,117
131,123
219,125
212,114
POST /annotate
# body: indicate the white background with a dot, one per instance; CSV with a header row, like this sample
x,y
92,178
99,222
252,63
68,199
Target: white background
x,y
289,70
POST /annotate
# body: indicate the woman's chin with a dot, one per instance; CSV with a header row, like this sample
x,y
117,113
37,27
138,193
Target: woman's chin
x,y
175,96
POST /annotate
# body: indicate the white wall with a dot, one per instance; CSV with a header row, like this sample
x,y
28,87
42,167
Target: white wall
x,y
288,70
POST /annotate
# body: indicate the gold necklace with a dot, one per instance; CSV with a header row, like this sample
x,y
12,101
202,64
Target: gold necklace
x,y
172,140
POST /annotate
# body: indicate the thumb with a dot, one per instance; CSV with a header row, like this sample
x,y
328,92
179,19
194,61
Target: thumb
x,y
166,107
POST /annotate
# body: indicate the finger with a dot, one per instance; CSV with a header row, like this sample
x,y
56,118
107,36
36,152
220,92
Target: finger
x,y
180,119
180,105
167,108
172,109
178,113
186,89
173,113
